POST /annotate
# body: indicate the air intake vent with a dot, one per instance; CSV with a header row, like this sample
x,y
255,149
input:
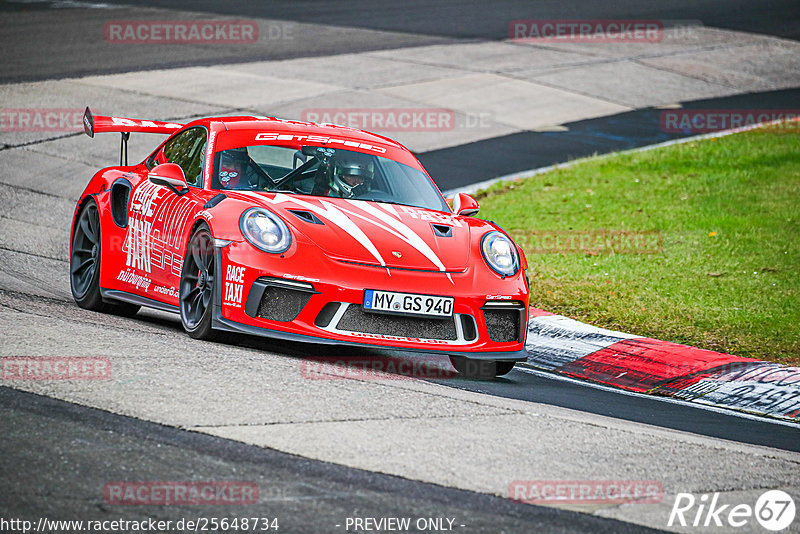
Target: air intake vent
x,y
215,200
120,192
504,320
307,216
326,314
469,328
442,230
282,304
276,299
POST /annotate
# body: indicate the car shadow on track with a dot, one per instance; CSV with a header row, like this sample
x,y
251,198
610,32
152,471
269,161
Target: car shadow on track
x,y
331,362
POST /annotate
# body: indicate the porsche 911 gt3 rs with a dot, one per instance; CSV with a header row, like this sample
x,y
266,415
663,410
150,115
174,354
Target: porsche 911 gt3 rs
x,y
297,231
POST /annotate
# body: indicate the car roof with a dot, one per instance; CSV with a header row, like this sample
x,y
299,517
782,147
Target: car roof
x,y
287,126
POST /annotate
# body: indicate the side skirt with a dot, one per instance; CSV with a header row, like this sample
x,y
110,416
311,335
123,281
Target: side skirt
x,y
114,294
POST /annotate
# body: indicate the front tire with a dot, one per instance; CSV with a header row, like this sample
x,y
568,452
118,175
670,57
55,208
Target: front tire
x,y
198,282
503,368
480,369
84,265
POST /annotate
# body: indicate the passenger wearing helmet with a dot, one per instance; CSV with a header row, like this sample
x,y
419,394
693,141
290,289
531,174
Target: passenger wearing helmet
x,y
352,175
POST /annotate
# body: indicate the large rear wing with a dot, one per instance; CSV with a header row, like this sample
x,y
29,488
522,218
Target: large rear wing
x,y
101,124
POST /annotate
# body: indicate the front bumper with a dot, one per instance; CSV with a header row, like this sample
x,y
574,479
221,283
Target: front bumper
x,y
317,299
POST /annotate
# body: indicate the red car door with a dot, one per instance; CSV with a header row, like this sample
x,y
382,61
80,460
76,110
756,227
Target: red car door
x,y
158,217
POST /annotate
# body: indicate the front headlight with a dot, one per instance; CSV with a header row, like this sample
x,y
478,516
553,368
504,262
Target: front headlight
x,y
265,230
500,253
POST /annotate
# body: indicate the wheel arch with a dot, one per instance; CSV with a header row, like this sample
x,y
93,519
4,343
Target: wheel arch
x,y
99,186
82,202
192,228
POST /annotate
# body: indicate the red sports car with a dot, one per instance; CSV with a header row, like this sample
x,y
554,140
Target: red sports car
x,y
298,231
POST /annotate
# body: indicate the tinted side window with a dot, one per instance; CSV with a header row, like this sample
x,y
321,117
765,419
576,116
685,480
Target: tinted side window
x,y
188,151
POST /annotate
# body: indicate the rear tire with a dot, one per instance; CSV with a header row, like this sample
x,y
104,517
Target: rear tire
x,y
198,283
480,369
84,265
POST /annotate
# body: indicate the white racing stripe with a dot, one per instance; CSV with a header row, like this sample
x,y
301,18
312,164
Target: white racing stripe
x,y
389,208
379,218
376,223
408,235
391,231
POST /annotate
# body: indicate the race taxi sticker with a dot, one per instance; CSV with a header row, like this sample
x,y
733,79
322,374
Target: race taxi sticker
x,y
234,285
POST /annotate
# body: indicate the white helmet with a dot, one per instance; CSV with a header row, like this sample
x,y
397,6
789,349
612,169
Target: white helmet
x,y
352,175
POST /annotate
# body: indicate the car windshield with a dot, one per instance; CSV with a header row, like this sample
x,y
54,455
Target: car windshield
x,y
323,171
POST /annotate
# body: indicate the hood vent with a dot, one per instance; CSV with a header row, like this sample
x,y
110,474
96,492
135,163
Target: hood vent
x,y
442,230
307,216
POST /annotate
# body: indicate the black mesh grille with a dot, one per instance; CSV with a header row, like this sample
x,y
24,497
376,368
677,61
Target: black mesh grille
x,y
503,325
282,304
356,320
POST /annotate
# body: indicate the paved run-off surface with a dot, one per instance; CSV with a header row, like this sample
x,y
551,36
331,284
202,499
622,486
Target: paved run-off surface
x,y
410,428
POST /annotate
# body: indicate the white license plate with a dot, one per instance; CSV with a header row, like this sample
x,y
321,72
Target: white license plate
x,y
408,303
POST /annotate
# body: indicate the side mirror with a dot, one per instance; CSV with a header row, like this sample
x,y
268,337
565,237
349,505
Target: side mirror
x,y
169,175
463,204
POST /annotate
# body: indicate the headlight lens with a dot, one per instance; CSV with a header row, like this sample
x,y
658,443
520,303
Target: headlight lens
x,y
500,253
265,230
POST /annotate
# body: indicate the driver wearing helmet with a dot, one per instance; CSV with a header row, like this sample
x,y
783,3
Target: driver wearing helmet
x,y
352,175
235,170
